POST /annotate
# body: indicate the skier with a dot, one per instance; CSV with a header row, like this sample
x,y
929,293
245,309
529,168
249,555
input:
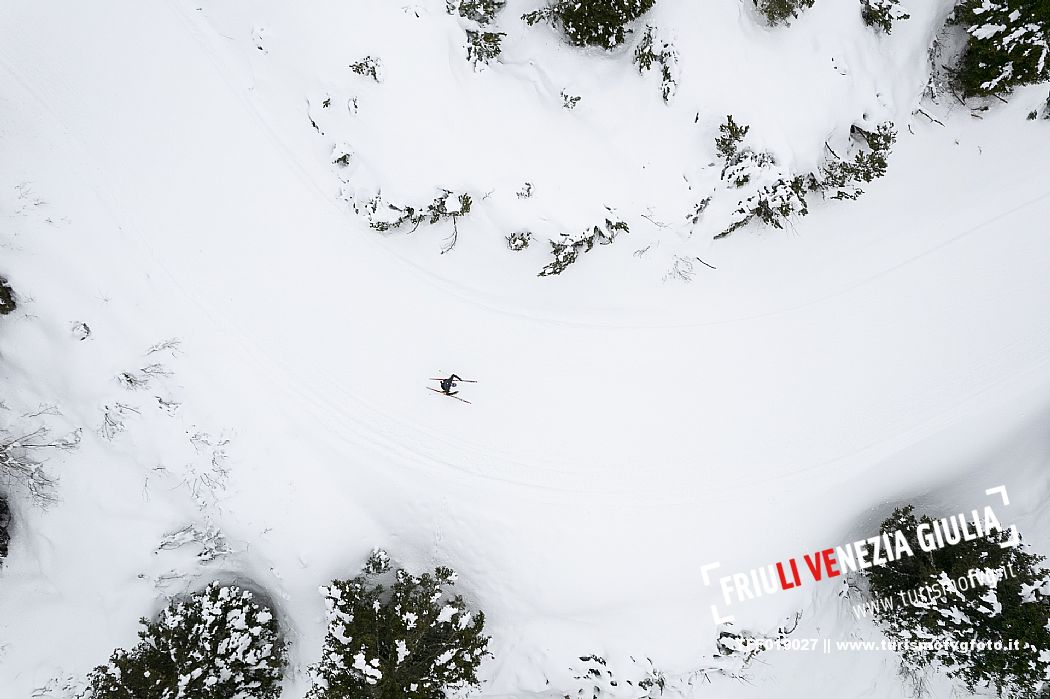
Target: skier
x,y
448,384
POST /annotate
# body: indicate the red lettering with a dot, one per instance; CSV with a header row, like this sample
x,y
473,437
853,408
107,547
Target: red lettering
x,y
784,584
814,565
830,562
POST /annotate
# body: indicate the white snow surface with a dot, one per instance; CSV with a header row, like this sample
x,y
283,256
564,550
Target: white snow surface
x,y
159,178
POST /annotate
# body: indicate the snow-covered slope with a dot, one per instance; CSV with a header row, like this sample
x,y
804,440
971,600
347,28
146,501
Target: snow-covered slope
x,y
160,178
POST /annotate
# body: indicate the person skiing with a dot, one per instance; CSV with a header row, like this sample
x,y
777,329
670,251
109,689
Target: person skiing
x,y
448,384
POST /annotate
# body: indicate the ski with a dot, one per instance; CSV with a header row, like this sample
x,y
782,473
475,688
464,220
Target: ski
x,y
457,380
445,394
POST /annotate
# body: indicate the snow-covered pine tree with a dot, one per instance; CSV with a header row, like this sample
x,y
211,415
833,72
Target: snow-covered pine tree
x,y
840,176
7,297
592,22
742,164
654,51
776,194
384,216
747,165
731,135
569,248
216,644
481,11
370,67
1010,601
1008,45
519,240
772,204
881,14
780,11
484,47
397,636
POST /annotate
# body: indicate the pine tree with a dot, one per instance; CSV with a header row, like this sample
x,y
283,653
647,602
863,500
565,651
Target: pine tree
x,y
7,298
742,164
592,22
780,11
775,194
840,177
481,11
384,216
569,248
484,47
772,204
217,644
727,145
1004,599
1008,45
747,165
881,14
647,55
408,640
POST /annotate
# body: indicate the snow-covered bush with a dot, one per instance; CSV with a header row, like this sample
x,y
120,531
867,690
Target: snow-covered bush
x,y
22,468
216,644
841,176
773,204
519,240
745,166
481,11
746,645
777,195
1006,597
742,164
483,47
647,55
593,679
569,101
384,216
881,14
7,298
698,210
1008,45
370,67
592,22
780,11
342,154
206,538
397,635
567,249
